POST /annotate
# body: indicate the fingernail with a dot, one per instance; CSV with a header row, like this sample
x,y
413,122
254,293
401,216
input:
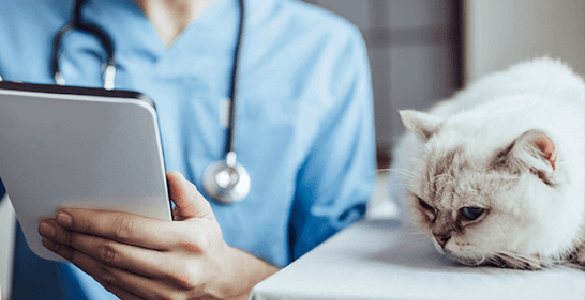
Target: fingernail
x,y
64,219
47,229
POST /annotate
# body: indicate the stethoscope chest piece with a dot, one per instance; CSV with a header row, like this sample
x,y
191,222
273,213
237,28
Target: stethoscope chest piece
x,y
226,181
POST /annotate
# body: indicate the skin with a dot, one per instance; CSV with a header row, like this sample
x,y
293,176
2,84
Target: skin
x,y
170,17
137,257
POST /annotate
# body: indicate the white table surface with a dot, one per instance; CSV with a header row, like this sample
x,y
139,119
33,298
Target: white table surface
x,y
379,260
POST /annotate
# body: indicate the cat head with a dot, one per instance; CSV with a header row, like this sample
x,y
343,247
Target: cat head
x,y
485,197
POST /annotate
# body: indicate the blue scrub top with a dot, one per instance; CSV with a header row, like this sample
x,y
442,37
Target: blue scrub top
x,y
304,113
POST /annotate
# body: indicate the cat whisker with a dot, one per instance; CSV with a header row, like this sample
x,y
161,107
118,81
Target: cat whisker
x,y
406,173
417,233
482,260
402,184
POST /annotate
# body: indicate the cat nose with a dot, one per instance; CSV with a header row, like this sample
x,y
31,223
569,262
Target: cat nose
x,y
442,239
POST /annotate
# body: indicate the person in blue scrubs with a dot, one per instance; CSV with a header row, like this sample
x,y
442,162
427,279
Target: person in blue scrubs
x,y
305,136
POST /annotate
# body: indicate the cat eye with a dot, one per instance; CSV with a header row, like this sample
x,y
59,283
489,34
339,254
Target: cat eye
x,y
425,205
472,213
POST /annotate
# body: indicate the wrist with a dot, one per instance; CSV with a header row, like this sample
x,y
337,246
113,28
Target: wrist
x,y
241,272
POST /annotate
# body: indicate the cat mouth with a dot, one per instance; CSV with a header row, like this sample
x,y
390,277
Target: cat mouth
x,y
470,260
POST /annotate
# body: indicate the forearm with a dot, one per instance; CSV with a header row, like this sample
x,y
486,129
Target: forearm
x,y
246,271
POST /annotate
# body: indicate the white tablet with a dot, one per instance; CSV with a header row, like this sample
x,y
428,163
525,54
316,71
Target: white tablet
x,y
84,147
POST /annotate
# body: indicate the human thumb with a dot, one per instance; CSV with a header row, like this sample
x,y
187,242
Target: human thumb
x,y
190,203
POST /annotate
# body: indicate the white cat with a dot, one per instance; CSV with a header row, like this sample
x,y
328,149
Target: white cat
x,y
498,171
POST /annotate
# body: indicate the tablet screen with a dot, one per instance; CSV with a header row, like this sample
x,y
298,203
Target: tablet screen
x,y
75,146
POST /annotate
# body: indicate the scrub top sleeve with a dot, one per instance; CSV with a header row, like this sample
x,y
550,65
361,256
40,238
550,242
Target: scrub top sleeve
x,y
338,175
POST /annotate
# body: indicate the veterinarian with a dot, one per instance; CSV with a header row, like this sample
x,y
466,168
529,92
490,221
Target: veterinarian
x,y
305,138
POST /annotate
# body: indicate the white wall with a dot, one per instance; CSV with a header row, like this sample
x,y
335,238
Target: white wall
x,y
502,32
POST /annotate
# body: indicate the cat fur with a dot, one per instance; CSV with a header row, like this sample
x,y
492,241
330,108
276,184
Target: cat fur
x,y
479,149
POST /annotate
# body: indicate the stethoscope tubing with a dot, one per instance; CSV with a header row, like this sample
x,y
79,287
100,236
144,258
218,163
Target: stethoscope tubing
x,y
77,24
109,71
231,132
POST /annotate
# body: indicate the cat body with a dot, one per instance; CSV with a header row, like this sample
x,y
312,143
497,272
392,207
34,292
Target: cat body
x,y
498,171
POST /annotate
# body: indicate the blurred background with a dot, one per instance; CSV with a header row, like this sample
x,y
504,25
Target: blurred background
x,y
414,47
421,51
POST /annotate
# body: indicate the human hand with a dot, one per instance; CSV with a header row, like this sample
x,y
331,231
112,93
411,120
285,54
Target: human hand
x,y
136,257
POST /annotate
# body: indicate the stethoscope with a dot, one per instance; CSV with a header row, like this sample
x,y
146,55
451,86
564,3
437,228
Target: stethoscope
x,y
225,181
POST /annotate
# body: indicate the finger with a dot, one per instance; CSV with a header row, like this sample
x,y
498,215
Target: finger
x,y
139,260
177,214
186,196
128,284
119,226
49,228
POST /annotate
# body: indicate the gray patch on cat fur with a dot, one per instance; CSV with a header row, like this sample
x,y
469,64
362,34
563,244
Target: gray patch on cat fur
x,y
450,176
522,157
445,170
502,158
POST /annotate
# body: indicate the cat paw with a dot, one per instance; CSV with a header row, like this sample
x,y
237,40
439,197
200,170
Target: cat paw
x,y
516,262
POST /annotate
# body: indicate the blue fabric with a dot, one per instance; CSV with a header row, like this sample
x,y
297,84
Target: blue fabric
x,y
34,278
305,122
2,190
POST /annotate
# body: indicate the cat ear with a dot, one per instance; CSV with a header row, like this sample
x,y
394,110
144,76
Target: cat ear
x,y
535,150
426,125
